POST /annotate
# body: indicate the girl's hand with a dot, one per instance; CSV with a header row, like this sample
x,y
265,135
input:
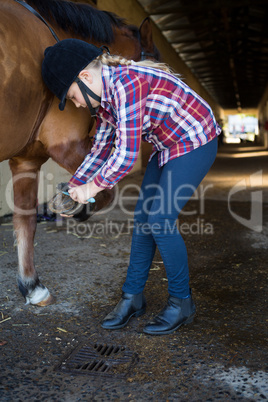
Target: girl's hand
x,y
84,192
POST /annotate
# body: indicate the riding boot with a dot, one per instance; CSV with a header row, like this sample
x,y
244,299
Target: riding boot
x,y
128,306
177,312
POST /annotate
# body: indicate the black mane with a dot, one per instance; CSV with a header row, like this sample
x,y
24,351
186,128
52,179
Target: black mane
x,y
80,19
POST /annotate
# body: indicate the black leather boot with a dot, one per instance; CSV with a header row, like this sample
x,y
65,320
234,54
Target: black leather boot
x,y
177,312
128,306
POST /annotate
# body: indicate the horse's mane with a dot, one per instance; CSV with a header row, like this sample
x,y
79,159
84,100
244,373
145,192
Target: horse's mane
x,y
81,19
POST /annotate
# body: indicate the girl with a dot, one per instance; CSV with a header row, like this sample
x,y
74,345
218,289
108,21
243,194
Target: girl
x,y
134,102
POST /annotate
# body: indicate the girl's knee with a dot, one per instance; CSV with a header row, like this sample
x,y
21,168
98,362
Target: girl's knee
x,y
161,226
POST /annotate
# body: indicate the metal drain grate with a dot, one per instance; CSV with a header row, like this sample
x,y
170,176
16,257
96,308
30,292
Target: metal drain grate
x,y
99,359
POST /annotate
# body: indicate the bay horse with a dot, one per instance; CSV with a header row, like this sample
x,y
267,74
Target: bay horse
x,y
32,129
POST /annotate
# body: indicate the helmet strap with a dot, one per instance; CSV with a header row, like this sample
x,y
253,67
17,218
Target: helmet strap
x,y
86,91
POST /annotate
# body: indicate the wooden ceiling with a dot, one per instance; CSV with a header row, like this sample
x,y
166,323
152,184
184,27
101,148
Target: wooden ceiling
x,y
223,42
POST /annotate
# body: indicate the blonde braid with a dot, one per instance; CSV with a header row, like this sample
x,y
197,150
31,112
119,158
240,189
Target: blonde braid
x,y
115,60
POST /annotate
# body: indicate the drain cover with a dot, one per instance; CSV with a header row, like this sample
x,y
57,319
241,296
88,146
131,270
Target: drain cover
x,y
99,359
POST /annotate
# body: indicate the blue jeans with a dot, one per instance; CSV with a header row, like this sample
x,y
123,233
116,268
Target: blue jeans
x,y
163,194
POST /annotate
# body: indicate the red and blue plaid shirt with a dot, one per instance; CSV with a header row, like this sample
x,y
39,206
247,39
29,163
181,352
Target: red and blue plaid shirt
x,y
141,103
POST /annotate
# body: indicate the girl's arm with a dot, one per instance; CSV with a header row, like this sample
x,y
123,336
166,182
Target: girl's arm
x,y
129,102
100,151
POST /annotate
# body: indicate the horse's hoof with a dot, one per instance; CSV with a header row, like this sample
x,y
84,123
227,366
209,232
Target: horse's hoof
x,y
50,300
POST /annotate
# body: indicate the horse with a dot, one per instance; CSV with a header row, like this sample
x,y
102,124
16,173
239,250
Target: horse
x,y
32,129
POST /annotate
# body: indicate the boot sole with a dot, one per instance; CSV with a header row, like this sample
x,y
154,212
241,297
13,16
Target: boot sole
x,y
136,314
188,321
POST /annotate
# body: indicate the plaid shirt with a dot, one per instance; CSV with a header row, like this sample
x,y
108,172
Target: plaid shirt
x,y
141,103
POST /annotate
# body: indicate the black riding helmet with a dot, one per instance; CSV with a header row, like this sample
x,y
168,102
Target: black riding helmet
x,y
62,64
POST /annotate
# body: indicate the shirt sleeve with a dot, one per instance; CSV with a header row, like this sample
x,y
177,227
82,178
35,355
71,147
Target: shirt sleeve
x,y
99,153
129,101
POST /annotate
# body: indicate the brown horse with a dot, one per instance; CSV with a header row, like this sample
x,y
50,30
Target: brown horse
x,y
32,129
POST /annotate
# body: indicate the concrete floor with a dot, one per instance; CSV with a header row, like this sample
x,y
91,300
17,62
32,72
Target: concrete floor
x,y
221,356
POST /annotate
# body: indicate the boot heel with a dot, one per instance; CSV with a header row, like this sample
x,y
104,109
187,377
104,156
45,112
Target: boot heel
x,y
139,313
189,320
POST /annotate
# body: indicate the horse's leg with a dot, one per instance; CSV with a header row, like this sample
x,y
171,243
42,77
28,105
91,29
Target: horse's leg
x,y
25,185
